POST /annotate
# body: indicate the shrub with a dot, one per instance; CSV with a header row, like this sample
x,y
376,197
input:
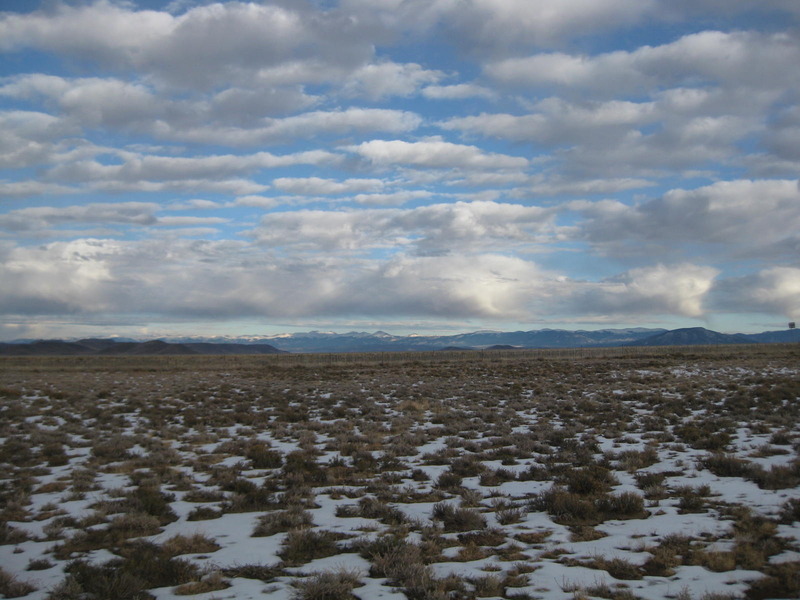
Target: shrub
x,y
328,585
508,516
778,477
591,480
448,480
114,449
304,545
370,508
727,465
151,500
209,583
402,564
567,508
782,581
790,511
203,513
196,543
143,565
11,587
457,519
263,457
282,520
134,525
488,585
38,564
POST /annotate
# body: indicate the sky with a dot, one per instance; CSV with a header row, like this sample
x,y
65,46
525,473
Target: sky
x,y
251,168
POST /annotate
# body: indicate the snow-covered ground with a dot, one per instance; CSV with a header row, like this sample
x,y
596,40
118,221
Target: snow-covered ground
x,y
659,477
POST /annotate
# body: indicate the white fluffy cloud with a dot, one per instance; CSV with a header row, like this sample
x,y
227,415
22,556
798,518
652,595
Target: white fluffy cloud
x,y
757,218
234,117
208,279
40,219
176,49
381,80
438,229
316,185
679,289
754,60
775,290
435,153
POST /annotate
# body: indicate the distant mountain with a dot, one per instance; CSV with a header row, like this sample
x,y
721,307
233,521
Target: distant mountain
x,y
108,347
316,341
786,336
692,336
380,341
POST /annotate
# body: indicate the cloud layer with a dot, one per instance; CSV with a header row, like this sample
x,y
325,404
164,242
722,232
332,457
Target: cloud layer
x,y
474,162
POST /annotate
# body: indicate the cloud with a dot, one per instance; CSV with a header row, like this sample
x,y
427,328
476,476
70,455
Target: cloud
x,y
487,285
30,138
723,214
558,122
434,153
737,59
143,214
248,37
392,198
204,279
775,290
234,117
309,186
487,26
660,289
555,186
137,167
674,130
307,125
514,23
224,279
459,91
381,80
15,189
438,229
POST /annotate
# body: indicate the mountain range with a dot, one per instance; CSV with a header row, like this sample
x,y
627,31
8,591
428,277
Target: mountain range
x,y
110,347
380,341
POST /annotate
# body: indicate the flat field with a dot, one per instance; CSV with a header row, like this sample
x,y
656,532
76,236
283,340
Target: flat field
x,y
654,473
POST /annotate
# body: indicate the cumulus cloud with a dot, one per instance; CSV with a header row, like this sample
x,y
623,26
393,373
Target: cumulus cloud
x,y
458,91
316,185
670,290
434,153
775,290
213,279
380,80
487,26
175,49
671,131
40,219
31,138
743,58
234,117
751,217
437,229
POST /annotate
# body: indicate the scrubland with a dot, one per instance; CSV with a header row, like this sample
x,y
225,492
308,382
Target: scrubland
x,y
619,475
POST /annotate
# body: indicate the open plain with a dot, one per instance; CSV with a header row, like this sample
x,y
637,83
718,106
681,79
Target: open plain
x,y
620,474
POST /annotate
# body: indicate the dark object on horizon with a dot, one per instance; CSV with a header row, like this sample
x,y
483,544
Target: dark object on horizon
x,y
792,325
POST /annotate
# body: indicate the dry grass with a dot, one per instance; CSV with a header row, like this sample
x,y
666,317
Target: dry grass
x,y
527,427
